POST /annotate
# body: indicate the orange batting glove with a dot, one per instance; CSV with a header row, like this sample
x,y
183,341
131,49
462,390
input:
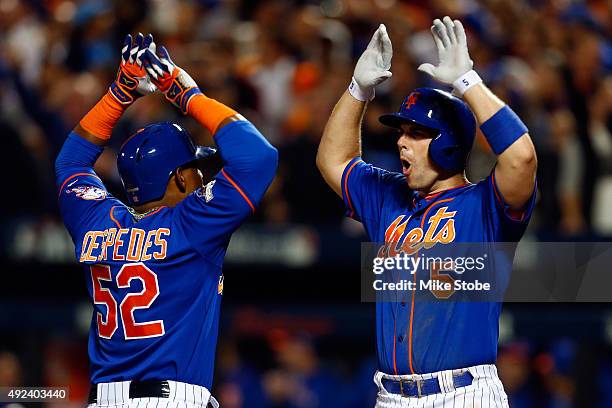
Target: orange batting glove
x,y
173,81
132,81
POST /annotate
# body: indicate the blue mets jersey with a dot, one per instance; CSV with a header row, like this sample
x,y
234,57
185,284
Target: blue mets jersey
x,y
424,337
155,280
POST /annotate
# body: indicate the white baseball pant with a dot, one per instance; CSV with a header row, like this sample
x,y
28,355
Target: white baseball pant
x,y
182,395
486,390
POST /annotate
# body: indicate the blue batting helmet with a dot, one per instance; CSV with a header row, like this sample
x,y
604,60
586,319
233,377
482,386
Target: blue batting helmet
x,y
447,115
149,157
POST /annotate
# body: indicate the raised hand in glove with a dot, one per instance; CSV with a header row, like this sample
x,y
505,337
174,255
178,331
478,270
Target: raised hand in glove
x,y
132,81
174,82
453,56
373,66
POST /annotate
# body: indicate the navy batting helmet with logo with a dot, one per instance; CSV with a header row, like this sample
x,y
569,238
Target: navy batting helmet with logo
x,y
149,157
448,116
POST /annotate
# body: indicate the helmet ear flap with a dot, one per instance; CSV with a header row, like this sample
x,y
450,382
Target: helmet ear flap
x,y
446,156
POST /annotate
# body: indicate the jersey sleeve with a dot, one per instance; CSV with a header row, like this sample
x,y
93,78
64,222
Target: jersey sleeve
x,y
82,196
365,188
507,224
249,160
210,215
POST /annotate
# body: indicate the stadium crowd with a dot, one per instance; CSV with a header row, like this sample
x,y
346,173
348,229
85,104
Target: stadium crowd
x,y
283,65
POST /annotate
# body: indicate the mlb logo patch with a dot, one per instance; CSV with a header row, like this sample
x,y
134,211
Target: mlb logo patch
x,y
88,192
208,195
207,192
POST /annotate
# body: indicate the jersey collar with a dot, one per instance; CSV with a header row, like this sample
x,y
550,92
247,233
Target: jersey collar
x,y
419,200
139,216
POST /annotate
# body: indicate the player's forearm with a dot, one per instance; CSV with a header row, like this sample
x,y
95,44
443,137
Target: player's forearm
x,y
482,102
243,148
97,125
516,157
513,151
210,113
341,139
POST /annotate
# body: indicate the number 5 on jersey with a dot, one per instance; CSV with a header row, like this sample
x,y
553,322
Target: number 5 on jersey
x,y
142,300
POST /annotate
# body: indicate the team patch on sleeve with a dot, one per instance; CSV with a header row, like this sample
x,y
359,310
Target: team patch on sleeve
x,y
87,192
207,192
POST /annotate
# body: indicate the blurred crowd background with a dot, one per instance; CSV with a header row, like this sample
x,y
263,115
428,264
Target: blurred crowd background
x,y
294,333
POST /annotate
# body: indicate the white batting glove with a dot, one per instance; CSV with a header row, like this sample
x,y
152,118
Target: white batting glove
x,y
373,66
453,57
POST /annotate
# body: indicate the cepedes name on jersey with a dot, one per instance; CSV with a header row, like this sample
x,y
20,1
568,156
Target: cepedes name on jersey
x,y
124,244
88,192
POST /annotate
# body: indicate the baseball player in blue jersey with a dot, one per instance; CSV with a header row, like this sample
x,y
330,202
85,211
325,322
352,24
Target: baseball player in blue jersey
x,y
153,266
433,354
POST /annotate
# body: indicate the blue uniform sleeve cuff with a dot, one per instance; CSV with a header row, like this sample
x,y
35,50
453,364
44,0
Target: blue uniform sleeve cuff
x,y
521,215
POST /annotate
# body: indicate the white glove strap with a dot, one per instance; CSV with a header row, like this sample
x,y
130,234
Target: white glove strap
x,y
466,81
359,93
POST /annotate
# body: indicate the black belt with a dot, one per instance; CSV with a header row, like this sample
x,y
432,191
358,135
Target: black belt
x,y
139,389
422,388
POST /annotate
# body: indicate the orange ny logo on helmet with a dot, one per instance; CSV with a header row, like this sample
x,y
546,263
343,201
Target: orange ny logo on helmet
x,y
411,100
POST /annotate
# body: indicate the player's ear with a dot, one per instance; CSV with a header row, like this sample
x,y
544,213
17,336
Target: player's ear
x,y
179,180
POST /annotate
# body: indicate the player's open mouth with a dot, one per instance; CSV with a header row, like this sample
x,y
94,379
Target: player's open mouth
x,y
405,167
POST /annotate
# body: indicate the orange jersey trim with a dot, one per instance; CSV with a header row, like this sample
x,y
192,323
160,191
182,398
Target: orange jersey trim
x,y
414,280
73,176
233,183
346,192
515,215
110,213
433,195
